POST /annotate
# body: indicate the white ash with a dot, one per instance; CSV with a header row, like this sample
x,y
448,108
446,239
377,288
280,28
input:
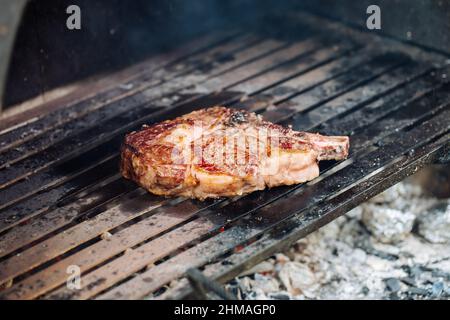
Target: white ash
x,y
387,225
373,252
298,279
435,226
265,284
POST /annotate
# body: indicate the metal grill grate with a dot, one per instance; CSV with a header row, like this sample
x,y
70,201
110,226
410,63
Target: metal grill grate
x,y
63,202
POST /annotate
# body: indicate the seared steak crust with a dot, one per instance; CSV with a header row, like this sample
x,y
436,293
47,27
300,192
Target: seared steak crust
x,y
218,151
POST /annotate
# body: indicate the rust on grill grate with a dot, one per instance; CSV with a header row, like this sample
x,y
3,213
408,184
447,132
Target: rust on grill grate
x,y
63,202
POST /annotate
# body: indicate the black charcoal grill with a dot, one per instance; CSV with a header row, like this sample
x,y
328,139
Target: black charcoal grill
x,y
63,202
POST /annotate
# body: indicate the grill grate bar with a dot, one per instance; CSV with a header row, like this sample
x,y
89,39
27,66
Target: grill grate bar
x,y
225,55
21,192
47,122
108,195
239,234
59,214
59,217
58,152
317,82
28,183
415,89
67,215
196,232
300,226
45,200
94,118
344,96
309,78
381,84
320,54
107,144
321,185
59,195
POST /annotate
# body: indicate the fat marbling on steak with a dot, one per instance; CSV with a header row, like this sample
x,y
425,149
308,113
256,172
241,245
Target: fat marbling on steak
x,y
223,152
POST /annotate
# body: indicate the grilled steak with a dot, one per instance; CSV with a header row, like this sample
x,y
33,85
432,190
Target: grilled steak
x,y
218,151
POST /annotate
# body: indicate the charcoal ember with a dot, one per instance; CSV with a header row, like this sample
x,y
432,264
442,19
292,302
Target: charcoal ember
x,y
233,288
437,289
387,225
256,294
392,284
234,291
441,274
409,281
281,295
343,260
412,292
239,287
414,271
446,292
434,226
252,295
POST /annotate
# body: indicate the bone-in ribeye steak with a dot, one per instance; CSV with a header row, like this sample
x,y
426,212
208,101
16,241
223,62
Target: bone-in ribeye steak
x,y
219,151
